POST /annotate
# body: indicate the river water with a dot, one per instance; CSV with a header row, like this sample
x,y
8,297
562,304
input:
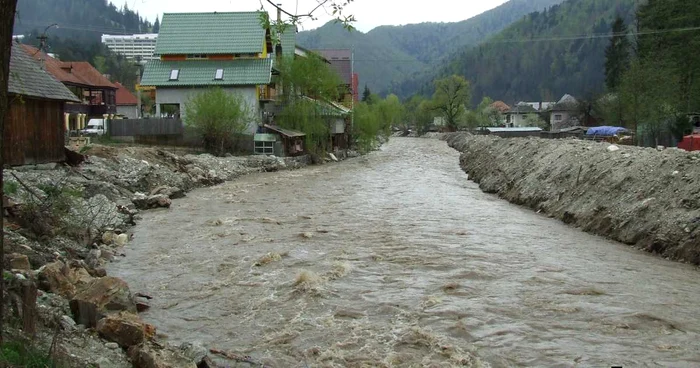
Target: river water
x,y
396,259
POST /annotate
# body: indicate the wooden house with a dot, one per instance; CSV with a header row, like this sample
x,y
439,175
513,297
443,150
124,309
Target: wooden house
x,y
34,130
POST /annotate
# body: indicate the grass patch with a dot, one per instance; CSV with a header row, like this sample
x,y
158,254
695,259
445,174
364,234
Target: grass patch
x,y
18,354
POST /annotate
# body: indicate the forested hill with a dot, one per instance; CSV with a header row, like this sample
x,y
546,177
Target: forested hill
x,y
389,55
541,57
82,21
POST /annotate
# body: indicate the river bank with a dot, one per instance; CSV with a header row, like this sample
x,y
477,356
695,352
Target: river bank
x,y
638,196
64,224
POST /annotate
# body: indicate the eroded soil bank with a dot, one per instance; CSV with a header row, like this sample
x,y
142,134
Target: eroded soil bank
x,y
638,196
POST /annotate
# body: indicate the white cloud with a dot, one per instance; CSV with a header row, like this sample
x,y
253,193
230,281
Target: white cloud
x,y
369,13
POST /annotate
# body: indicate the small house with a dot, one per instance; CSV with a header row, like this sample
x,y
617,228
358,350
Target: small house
x,y
127,103
273,140
34,129
565,113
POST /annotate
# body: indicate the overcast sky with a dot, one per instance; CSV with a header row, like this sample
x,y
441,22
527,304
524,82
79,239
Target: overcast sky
x,y
369,13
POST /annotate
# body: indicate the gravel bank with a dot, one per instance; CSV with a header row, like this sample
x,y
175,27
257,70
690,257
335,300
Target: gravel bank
x,y
639,196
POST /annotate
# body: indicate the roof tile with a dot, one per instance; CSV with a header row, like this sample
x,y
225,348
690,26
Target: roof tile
x,y
28,79
202,72
124,96
210,33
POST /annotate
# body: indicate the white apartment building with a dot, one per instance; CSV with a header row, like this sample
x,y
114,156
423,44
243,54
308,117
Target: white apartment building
x,y
132,46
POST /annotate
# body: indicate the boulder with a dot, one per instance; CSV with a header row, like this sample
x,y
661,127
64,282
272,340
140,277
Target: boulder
x,y
104,296
59,278
19,262
159,200
171,192
126,329
148,355
121,240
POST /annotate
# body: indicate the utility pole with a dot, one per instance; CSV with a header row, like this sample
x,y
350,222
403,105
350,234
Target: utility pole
x,y
139,114
42,44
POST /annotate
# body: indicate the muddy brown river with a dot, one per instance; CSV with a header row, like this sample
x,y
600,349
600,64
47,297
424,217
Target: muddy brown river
x,y
395,259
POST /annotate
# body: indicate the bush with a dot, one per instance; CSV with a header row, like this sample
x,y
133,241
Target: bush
x,y
218,117
18,354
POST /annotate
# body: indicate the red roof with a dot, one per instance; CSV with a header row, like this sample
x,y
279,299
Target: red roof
x,y
78,73
500,106
124,96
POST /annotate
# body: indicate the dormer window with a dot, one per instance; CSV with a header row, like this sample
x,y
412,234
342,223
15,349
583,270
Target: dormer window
x,y
219,74
174,74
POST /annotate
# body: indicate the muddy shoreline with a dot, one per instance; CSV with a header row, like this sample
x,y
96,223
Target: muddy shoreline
x,y
638,196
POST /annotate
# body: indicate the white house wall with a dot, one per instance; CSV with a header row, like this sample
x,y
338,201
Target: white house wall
x,y
182,95
130,111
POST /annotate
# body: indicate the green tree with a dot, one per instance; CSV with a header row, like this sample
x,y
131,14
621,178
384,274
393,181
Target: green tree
x,y
367,127
219,117
307,84
534,120
650,98
390,112
450,97
366,94
617,55
156,26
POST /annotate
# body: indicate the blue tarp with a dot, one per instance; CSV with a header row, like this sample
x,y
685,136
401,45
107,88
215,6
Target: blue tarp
x,y
606,130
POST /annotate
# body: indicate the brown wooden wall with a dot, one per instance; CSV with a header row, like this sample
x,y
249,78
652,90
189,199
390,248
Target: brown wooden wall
x,y
34,131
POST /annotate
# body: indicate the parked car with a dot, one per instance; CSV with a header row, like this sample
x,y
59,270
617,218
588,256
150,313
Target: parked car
x,y
96,127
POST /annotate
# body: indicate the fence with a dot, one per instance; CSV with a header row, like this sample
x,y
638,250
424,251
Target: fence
x,y
145,127
167,132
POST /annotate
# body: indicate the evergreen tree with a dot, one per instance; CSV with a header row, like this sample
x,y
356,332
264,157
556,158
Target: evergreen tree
x,y
366,94
156,26
617,55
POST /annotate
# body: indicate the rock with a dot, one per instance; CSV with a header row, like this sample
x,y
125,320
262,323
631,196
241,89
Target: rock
x,y
332,156
93,258
108,237
307,235
112,345
104,296
159,200
125,329
106,254
206,362
54,278
613,148
194,350
149,355
19,262
68,324
171,192
142,307
99,272
121,240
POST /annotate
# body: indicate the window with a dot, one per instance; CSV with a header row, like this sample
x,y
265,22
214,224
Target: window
x,y
196,56
174,74
557,117
219,74
264,148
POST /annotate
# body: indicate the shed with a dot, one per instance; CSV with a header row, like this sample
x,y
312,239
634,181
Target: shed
x,y
274,140
34,130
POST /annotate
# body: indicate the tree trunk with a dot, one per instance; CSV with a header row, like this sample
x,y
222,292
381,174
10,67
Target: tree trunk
x,y
7,22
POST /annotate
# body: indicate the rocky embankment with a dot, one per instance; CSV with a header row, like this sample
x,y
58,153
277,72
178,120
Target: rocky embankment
x,y
62,224
644,197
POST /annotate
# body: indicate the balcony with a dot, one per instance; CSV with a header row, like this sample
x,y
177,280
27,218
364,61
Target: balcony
x,y
267,93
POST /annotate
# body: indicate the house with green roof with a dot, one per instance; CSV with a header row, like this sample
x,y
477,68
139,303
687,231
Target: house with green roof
x,y
200,50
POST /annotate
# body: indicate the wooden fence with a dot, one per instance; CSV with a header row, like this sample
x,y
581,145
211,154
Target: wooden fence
x,y
145,127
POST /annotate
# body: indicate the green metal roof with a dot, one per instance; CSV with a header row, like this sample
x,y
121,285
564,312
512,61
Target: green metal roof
x,y
288,39
28,79
210,33
202,72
